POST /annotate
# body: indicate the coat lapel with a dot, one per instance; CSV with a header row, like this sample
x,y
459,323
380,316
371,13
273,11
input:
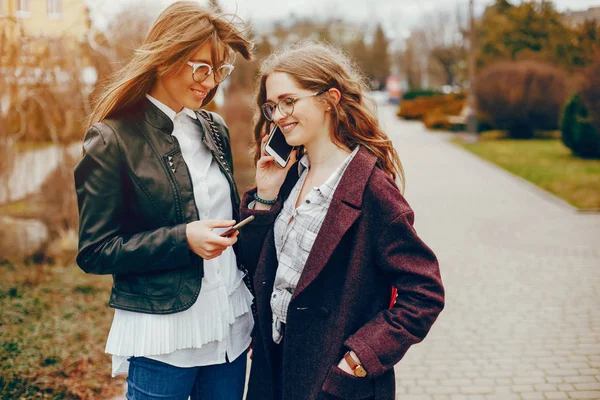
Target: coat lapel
x,y
344,210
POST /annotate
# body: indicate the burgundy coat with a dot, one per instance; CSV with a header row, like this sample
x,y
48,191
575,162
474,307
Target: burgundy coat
x,y
366,244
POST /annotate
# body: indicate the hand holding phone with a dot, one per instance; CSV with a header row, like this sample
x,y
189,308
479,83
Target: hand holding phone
x,y
278,148
205,242
269,171
237,226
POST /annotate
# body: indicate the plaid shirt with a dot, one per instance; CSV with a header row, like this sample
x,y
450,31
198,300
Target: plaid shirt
x,y
295,232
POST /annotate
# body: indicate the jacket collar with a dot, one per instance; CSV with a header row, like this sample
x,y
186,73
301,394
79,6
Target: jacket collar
x,y
168,111
352,185
156,117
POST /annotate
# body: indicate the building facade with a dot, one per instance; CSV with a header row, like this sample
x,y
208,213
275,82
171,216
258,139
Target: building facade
x,y
577,17
50,18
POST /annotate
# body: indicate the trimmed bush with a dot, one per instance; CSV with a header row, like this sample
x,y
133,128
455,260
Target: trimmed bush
x,y
578,131
417,108
438,120
413,94
521,96
590,92
442,117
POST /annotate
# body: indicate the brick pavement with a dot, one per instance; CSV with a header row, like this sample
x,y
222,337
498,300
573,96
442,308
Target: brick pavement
x,y
522,275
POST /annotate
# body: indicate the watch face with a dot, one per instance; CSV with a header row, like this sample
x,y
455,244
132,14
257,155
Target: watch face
x,y
360,372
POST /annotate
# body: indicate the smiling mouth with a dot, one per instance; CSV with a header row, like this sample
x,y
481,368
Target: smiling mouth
x,y
199,93
288,127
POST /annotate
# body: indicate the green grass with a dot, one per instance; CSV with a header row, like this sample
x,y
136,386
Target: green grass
x,y
53,326
546,163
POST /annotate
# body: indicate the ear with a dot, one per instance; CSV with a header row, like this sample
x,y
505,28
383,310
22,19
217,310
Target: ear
x,y
334,95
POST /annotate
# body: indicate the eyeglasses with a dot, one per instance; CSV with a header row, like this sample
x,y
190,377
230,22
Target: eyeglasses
x,y
201,71
285,106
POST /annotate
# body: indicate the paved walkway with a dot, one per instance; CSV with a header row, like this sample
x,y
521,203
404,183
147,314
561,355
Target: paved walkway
x,y
522,276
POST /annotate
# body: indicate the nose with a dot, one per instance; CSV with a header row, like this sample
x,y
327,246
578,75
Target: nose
x,y
209,83
277,115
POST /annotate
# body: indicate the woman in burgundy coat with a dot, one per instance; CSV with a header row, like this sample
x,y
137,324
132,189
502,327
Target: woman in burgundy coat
x,y
332,240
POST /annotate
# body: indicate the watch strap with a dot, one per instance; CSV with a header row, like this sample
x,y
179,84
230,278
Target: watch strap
x,y
350,360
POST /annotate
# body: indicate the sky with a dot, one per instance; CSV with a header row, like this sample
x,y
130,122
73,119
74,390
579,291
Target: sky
x,y
397,16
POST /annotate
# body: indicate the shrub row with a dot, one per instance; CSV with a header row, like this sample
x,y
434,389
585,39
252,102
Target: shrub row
x,y
436,112
521,98
417,108
413,94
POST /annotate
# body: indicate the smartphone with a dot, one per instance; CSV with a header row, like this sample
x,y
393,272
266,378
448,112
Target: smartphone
x,y
237,226
278,148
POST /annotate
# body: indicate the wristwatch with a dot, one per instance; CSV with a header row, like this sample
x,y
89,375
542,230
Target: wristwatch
x,y
354,366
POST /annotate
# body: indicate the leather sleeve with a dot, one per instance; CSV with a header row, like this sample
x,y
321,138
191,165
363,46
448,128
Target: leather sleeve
x,y
413,269
104,247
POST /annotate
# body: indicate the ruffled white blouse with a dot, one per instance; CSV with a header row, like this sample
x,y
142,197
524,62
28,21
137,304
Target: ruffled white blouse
x,y
218,325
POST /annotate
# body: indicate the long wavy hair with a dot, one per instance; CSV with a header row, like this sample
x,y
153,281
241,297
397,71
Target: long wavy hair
x,y
317,67
175,36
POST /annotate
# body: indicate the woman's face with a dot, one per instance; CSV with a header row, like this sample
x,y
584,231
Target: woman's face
x,y
308,122
179,90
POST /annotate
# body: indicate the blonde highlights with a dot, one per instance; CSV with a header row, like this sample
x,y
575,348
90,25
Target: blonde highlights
x,y
317,67
176,34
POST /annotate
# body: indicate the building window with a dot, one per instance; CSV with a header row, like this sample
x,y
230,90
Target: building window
x,y
23,5
54,9
23,9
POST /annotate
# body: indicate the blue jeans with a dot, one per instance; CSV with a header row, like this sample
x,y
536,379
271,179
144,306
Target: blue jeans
x,y
150,379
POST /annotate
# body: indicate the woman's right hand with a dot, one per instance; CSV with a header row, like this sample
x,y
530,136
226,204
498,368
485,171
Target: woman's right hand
x,y
204,242
269,175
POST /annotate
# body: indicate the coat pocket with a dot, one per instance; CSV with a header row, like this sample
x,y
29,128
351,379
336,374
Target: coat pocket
x,y
345,386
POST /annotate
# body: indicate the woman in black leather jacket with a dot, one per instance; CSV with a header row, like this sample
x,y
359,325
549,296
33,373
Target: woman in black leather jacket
x,y
155,186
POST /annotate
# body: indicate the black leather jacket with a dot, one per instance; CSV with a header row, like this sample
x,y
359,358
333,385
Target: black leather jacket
x,y
135,197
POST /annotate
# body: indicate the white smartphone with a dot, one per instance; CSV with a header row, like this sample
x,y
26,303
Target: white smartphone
x,y
278,148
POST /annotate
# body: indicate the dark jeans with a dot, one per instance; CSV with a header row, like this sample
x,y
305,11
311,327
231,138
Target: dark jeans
x,y
149,379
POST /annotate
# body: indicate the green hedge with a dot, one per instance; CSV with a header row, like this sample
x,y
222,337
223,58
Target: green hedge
x,y
578,132
413,94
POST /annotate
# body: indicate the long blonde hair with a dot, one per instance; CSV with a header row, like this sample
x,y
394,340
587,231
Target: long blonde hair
x,y
176,34
318,67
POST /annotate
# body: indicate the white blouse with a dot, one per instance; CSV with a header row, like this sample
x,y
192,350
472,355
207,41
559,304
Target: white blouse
x,y
219,323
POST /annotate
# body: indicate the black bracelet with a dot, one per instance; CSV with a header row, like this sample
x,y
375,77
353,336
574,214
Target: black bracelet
x,y
263,201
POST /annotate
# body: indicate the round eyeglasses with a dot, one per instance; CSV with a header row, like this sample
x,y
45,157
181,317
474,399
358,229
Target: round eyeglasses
x,y
201,71
285,105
